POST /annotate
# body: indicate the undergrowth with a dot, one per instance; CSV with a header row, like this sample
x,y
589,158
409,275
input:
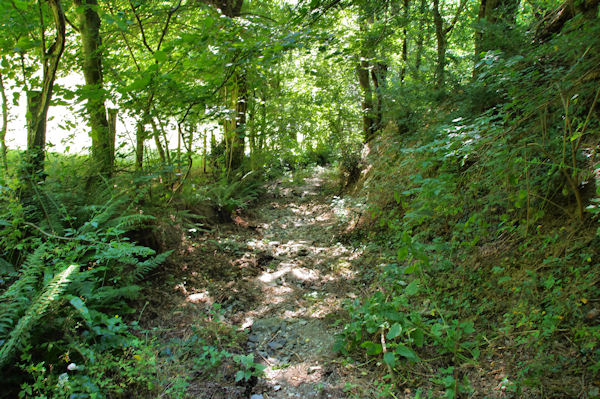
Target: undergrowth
x,y
76,257
486,228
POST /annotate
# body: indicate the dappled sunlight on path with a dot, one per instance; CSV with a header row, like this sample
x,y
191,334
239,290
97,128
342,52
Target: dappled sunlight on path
x,y
280,277
291,328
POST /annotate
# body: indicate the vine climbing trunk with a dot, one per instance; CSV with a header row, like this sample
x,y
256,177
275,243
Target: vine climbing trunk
x,y
159,146
440,36
495,20
367,101
39,101
112,132
140,136
405,5
378,76
4,124
91,57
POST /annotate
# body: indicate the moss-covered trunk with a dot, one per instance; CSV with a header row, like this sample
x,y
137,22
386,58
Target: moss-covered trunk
x,y
91,61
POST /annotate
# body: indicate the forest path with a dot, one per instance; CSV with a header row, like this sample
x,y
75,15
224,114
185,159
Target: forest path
x,y
302,287
280,276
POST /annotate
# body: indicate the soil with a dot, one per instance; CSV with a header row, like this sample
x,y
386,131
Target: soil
x,y
281,276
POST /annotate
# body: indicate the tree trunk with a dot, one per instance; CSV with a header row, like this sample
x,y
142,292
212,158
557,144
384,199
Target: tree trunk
x,y
159,147
235,129
496,18
238,142
229,8
112,132
378,75
367,102
204,153
166,140
91,54
554,21
440,35
4,124
36,133
140,136
421,37
39,101
404,41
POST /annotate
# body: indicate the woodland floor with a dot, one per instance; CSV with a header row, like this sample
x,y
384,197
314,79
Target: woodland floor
x,y
280,276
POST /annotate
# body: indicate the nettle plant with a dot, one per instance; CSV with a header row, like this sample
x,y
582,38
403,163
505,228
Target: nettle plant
x,y
392,325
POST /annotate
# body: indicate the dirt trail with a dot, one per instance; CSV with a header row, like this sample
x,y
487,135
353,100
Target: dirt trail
x,y
302,288
282,276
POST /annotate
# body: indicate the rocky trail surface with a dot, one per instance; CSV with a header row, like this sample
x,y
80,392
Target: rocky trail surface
x,y
281,276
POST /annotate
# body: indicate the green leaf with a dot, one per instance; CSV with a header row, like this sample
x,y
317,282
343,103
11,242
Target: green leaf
x,y
467,327
402,253
160,56
418,337
412,288
372,348
390,359
139,84
239,376
406,352
413,268
395,330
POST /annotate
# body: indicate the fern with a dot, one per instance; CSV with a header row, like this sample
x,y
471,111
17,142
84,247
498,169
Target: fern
x,y
53,291
115,214
109,295
16,297
133,221
144,268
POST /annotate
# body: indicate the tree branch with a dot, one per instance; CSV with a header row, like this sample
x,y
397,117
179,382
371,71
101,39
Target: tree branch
x,y
459,11
139,22
166,27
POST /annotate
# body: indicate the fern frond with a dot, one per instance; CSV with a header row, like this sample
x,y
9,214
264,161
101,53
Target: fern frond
x,y
136,220
105,214
53,290
144,268
109,295
16,298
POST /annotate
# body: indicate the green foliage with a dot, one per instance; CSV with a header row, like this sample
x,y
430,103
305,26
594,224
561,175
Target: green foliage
x,y
248,368
226,196
106,271
350,163
49,294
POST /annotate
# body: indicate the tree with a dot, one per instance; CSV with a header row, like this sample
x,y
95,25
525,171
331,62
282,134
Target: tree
x,y
495,19
91,60
4,124
442,34
236,95
371,69
554,21
38,102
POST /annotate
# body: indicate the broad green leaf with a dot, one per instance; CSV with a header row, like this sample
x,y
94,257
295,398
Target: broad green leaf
x,y
395,331
390,359
412,288
160,56
239,376
418,337
406,352
372,348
